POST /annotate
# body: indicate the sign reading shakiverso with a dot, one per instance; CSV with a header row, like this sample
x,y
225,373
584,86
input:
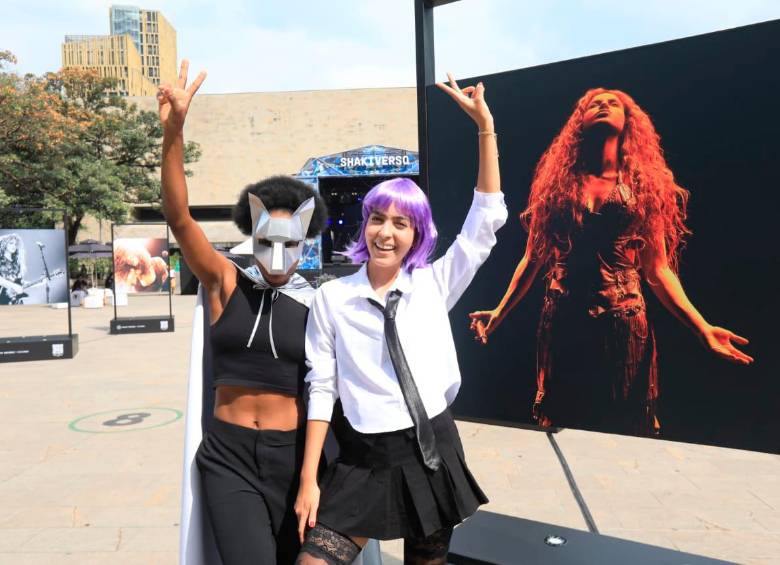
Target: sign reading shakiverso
x,y
375,161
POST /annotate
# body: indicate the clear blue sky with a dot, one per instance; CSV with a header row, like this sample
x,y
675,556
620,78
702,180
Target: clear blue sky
x,y
272,45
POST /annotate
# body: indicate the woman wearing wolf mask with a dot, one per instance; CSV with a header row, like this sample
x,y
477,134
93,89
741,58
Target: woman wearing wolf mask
x,y
254,323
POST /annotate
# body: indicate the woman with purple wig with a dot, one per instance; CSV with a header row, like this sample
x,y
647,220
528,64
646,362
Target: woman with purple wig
x,y
379,342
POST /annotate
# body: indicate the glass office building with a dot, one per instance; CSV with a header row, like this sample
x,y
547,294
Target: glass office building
x,y
126,20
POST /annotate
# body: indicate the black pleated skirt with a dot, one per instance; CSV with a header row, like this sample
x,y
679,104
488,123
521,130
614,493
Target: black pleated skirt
x,y
379,487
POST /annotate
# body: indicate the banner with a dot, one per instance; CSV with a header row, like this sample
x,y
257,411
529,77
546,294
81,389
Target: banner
x,y
141,265
649,180
32,266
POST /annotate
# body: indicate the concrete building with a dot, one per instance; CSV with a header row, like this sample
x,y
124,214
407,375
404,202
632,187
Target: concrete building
x,y
140,52
112,56
249,136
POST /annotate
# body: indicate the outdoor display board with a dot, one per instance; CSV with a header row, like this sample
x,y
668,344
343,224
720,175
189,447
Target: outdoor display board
x,y
141,265
141,269
32,266
592,345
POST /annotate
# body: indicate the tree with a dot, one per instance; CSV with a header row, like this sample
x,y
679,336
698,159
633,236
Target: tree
x,y
32,131
66,141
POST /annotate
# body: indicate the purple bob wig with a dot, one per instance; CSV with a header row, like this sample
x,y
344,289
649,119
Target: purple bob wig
x,y
409,200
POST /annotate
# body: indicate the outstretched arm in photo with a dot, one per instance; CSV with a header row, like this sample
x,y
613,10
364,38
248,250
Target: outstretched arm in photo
x,y
485,322
667,287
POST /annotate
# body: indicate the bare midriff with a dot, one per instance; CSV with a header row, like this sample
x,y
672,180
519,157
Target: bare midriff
x,y
258,409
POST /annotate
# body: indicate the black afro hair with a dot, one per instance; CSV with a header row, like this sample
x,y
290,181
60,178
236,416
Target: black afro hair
x,y
280,192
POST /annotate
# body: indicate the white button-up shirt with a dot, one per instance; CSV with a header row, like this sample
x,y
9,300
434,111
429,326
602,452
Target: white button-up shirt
x,y
345,342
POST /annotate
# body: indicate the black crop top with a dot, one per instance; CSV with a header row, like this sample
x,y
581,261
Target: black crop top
x,y
243,352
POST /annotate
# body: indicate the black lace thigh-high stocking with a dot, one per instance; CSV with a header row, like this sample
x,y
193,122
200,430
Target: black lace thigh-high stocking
x,y
326,547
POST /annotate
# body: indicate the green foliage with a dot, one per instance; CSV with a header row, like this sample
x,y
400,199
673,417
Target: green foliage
x,y
67,142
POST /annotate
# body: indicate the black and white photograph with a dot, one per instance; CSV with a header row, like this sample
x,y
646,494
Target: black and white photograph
x,y
33,267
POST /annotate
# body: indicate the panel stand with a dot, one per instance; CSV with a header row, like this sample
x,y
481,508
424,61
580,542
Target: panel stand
x,y
38,348
495,539
43,347
143,324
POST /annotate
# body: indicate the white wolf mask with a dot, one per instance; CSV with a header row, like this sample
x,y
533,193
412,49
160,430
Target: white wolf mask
x,y
277,243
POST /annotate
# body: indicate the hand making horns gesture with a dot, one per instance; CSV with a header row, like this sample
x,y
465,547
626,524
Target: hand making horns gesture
x,y
174,101
471,99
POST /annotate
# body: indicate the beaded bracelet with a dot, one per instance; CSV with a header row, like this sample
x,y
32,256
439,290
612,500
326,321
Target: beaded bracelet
x,y
495,136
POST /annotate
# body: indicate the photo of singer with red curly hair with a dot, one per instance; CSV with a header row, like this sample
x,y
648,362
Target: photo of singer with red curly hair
x,y
605,217
141,265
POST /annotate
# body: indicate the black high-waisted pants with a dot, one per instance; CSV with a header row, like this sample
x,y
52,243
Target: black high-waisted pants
x,y
250,481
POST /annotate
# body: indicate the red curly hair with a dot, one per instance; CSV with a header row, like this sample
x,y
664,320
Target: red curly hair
x,y
555,203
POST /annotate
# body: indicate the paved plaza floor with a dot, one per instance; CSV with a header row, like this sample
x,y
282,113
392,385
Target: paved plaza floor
x,y
80,484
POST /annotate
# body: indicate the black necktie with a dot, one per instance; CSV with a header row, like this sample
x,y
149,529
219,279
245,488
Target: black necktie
x,y
422,425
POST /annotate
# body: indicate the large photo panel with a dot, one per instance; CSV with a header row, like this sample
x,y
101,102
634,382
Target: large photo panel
x,y
592,345
33,267
141,265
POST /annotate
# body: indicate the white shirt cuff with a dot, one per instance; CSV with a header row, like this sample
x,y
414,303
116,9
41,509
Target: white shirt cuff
x,y
321,407
489,199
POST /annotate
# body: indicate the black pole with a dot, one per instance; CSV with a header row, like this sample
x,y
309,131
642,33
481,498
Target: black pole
x,y
67,272
113,268
575,490
423,30
168,266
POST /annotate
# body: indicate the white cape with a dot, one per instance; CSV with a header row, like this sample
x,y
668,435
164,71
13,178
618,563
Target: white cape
x,y
196,542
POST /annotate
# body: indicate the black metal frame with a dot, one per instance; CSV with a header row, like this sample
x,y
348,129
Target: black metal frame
x,y
426,76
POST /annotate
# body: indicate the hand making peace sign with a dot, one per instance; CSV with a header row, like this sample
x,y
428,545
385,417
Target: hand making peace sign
x,y
174,101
